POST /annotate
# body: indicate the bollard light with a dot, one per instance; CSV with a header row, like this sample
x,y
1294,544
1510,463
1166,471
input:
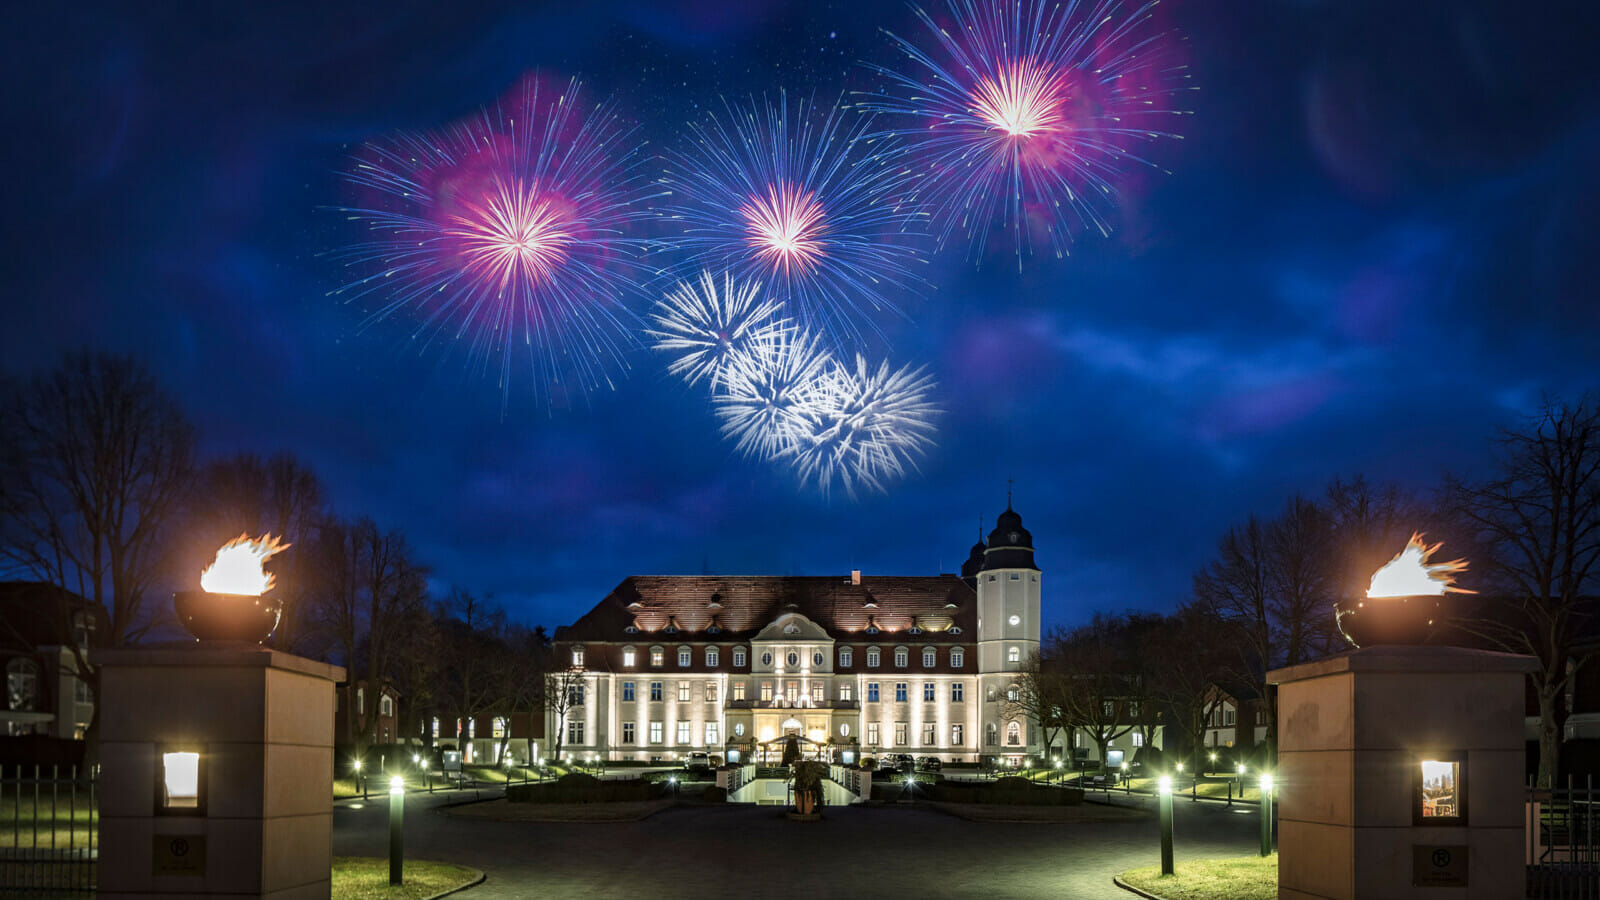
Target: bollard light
x,y
180,789
1180,768
397,811
1266,814
1241,769
1166,823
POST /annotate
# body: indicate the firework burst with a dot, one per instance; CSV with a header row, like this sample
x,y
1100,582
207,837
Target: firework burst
x,y
800,199
873,425
1026,112
509,228
771,396
707,327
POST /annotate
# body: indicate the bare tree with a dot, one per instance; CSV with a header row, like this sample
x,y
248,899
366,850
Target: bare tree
x,y
1540,515
282,496
1235,588
375,595
564,684
1040,698
1099,689
1192,654
94,460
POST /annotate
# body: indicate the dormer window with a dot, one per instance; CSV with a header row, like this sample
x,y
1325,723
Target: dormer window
x,y
577,657
714,628
915,629
672,625
631,629
954,629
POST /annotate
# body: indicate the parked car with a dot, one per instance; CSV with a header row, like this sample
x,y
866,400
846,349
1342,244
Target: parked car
x,y
929,763
697,761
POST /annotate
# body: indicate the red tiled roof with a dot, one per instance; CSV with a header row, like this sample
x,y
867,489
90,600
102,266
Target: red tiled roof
x,y
742,605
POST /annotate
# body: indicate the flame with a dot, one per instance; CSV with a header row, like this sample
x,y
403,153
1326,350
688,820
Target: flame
x,y
1410,574
237,569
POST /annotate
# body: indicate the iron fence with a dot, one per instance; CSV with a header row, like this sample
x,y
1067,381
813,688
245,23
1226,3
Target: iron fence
x,y
53,847
1562,857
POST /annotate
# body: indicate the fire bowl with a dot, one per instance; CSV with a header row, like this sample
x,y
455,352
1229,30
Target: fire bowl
x,y
227,617
1369,622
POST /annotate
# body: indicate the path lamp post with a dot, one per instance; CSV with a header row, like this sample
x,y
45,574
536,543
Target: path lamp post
x,y
1213,766
1266,814
1166,824
397,812
427,777
361,783
1058,770
1127,787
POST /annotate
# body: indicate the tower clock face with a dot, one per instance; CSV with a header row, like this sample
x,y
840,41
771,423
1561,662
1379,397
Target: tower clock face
x,y
1015,620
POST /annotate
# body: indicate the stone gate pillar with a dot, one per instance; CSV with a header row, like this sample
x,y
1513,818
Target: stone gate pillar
x,y
1400,773
216,772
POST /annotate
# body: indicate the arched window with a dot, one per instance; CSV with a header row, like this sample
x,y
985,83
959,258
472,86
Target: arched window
x,y
361,701
1014,654
386,706
1013,734
22,684
991,735
1011,694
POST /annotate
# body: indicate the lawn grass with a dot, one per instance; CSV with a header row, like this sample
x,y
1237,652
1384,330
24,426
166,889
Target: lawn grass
x,y
364,877
1241,878
24,825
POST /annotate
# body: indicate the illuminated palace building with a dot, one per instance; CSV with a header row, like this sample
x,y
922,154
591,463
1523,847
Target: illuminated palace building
x,y
855,665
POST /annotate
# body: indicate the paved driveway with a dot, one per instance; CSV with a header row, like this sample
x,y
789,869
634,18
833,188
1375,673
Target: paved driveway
x,y
747,851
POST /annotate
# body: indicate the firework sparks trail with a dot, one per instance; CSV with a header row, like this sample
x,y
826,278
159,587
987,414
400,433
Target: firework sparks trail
x,y
1025,113
770,396
798,197
510,227
706,327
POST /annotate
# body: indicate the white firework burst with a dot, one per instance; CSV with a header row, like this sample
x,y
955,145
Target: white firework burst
x,y
872,426
775,396
706,327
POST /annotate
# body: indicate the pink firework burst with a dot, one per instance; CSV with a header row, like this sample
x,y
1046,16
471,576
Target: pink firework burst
x,y
508,234
786,226
1027,114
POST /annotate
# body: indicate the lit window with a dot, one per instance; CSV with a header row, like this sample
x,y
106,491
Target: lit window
x,y
957,658
361,701
991,733
1013,734
872,657
499,726
627,733
957,735
655,690
577,657
766,692
845,656
575,731
1107,709
180,780
846,691
901,655
655,732
791,691
989,694
1011,693
738,729
930,657
900,692
738,690
712,738
844,729
816,692
684,656
627,656
928,692
711,657
627,691
711,692
683,692
386,706
900,734
1014,654
872,733
435,727
657,656
929,735
958,692
472,728
1138,738
872,692
738,657
683,732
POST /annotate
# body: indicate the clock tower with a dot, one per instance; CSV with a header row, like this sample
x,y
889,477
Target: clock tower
x,y
1008,590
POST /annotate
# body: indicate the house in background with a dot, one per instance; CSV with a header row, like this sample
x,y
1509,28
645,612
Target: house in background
x,y
1238,718
355,702
39,626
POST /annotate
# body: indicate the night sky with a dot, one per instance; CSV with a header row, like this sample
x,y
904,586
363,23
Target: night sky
x,y
1375,243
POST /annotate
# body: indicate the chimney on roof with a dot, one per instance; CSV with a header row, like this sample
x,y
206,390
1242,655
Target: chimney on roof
x,y
855,576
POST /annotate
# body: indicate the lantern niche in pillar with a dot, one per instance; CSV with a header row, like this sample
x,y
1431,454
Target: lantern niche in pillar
x,y
1403,601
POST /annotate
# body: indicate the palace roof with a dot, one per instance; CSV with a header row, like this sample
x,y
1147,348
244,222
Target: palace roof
x,y
707,608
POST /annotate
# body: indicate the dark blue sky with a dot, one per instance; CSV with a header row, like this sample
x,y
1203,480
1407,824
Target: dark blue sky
x,y
1377,243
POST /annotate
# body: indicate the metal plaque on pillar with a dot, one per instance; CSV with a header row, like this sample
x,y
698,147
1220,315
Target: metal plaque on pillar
x,y
179,854
1439,865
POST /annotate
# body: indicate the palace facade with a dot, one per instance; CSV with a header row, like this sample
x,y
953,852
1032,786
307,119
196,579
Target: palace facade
x,y
857,664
